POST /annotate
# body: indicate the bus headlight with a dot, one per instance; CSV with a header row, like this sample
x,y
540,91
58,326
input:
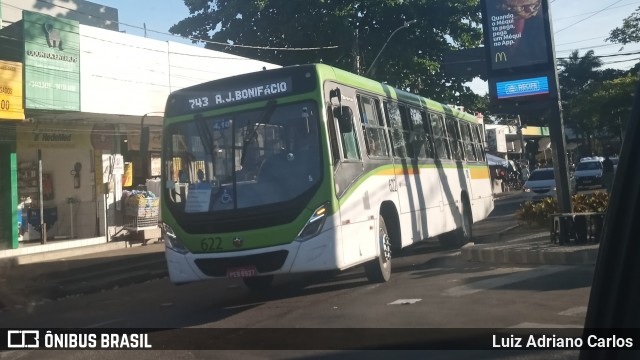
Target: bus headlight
x,y
171,240
314,224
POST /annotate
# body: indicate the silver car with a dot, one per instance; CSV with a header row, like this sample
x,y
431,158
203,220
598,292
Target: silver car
x,y
542,184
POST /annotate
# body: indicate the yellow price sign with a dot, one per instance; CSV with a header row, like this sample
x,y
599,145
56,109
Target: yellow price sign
x,y
11,91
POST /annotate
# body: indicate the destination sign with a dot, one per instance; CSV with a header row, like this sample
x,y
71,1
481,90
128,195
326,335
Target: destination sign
x,y
239,94
242,89
522,87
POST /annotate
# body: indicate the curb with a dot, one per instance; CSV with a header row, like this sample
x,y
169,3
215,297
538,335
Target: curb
x,y
495,237
533,249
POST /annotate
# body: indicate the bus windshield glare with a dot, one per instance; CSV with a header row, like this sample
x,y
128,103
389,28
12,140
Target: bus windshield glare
x,y
244,159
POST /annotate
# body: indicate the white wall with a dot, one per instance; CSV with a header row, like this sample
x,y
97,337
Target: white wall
x,y
121,73
190,65
130,75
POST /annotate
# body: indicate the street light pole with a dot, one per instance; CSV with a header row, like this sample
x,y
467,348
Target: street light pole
x,y
406,25
521,138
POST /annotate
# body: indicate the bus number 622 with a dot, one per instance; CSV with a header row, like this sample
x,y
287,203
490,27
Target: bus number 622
x,y
211,244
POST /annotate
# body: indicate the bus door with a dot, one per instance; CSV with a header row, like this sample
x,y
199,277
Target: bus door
x,y
358,207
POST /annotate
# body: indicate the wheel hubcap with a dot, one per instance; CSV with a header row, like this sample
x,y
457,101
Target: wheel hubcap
x,y
386,247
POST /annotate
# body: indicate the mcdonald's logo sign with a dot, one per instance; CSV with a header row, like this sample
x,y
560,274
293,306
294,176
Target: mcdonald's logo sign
x,y
501,56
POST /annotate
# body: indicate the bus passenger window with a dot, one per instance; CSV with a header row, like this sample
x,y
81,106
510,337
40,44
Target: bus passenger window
x,y
372,126
344,115
395,123
469,148
454,138
439,137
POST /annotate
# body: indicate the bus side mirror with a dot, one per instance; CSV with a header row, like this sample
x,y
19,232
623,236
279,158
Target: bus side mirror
x,y
344,114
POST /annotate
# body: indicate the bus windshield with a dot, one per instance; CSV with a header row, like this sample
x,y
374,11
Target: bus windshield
x,y
244,159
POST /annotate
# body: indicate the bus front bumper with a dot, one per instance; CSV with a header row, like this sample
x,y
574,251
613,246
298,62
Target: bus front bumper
x,y
316,254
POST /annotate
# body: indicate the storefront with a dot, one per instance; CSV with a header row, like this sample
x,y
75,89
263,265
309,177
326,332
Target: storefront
x,y
11,112
75,148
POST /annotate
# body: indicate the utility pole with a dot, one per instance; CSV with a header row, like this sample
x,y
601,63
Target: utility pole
x,y
356,53
405,25
521,138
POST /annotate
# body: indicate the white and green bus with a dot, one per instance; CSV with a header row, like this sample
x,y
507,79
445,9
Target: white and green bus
x,y
311,168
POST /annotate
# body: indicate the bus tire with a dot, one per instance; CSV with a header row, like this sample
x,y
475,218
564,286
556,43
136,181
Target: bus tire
x,y
379,270
459,237
258,284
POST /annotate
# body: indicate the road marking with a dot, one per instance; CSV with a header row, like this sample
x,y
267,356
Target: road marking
x,y
100,324
404,302
574,311
515,275
528,325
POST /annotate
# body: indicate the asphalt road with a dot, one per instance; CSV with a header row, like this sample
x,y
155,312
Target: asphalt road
x,y
431,292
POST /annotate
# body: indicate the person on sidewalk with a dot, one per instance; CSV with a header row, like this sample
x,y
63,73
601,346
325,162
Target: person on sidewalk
x,y
607,173
525,173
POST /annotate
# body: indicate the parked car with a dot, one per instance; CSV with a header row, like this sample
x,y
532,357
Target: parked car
x,y
542,184
589,173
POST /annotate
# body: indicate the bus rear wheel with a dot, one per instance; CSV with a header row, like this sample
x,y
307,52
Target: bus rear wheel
x,y
258,284
379,270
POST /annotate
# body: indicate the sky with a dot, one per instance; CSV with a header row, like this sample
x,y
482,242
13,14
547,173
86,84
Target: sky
x,y
577,24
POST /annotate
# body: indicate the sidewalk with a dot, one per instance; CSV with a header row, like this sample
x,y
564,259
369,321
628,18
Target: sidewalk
x,y
34,277
84,270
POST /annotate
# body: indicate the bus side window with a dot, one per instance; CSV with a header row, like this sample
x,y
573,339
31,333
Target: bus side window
x,y
344,115
469,148
454,138
398,125
479,140
439,137
372,126
333,138
428,136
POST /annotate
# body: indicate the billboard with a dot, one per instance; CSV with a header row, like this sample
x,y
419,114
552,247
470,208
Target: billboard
x,y
51,62
515,33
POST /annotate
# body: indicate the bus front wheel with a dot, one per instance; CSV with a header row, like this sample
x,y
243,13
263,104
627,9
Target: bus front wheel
x,y
379,270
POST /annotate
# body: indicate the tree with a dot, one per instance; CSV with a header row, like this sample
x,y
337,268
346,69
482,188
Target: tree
x,y
629,32
348,34
577,75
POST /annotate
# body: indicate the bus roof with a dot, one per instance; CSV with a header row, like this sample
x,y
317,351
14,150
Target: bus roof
x,y
387,90
182,101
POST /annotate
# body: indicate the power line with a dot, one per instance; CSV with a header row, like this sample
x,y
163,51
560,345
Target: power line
x,y
591,12
588,17
191,38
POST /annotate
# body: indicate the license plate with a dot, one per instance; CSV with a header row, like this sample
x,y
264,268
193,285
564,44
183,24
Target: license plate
x,y
587,181
242,271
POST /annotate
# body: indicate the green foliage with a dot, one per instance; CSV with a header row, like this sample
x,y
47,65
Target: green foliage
x,y
356,29
629,32
596,103
539,213
595,202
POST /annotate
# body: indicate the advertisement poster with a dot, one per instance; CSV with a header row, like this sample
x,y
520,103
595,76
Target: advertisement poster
x,y
516,33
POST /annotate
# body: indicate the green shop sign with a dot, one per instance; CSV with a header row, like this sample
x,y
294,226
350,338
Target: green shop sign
x,y
51,62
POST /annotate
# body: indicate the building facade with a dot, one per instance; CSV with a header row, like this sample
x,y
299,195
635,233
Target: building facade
x,y
79,96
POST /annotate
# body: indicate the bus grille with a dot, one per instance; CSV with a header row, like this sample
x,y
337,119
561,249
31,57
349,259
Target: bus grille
x,y
266,262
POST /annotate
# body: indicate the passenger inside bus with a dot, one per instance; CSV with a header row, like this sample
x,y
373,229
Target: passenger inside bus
x,y
250,165
296,168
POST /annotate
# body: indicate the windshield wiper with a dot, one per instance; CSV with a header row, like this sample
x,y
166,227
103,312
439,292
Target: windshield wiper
x,y
264,119
207,140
